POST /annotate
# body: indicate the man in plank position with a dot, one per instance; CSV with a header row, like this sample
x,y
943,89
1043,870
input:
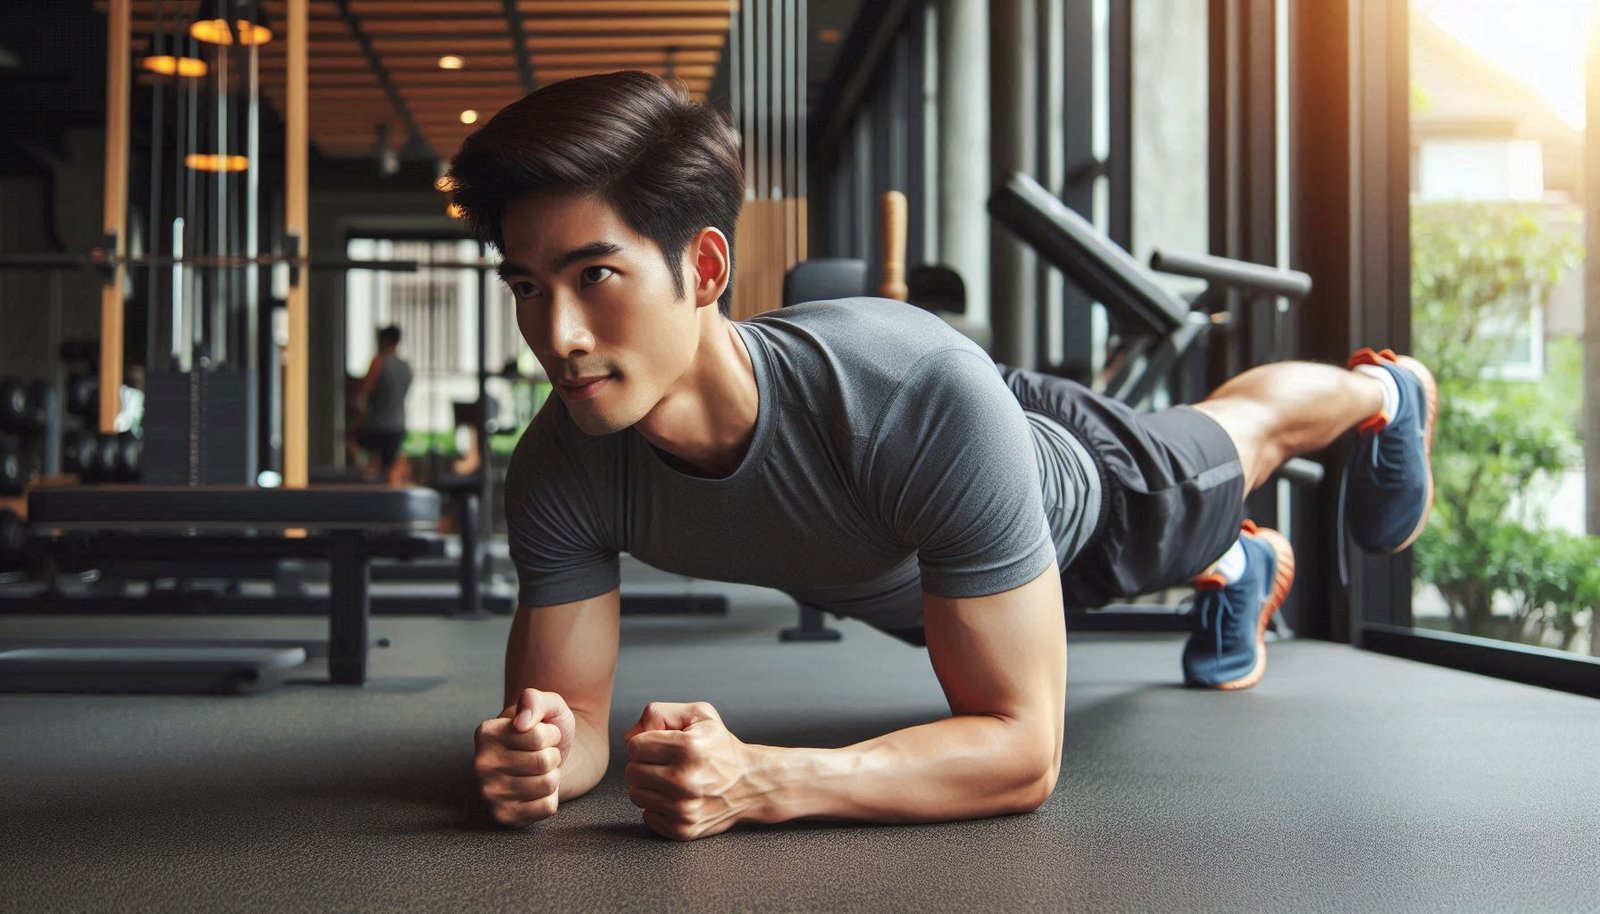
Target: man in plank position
x,y
861,456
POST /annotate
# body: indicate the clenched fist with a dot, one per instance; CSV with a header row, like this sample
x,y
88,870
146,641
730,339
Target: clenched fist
x,y
690,775
519,755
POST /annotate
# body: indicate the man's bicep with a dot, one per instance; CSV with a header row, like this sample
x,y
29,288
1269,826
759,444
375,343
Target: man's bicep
x,y
1004,655
569,649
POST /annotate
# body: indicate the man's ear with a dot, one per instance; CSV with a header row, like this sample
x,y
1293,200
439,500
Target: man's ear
x,y
713,265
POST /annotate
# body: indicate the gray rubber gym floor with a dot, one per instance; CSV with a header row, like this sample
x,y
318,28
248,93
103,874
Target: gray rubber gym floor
x,y
1346,782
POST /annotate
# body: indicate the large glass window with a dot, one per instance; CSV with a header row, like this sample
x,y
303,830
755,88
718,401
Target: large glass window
x,y
436,309
1498,206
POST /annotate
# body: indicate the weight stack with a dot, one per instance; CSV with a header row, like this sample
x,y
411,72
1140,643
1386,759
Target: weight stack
x,y
167,429
197,429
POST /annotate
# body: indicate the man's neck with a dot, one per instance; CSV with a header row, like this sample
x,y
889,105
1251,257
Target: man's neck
x,y
706,424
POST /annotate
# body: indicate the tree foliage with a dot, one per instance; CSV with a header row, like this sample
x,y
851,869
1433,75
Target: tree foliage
x,y
1479,270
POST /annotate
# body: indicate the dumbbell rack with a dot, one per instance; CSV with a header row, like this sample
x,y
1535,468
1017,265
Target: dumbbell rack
x,y
30,448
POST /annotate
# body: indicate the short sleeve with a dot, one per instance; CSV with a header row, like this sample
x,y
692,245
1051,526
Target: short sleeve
x,y
556,519
951,473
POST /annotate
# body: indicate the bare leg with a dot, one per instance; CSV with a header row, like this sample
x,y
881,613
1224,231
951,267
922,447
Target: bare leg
x,y
1274,412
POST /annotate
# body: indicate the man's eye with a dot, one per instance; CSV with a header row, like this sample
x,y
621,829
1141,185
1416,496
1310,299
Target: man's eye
x,y
593,275
524,289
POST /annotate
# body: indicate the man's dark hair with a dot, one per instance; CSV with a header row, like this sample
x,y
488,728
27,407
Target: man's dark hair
x,y
390,335
667,165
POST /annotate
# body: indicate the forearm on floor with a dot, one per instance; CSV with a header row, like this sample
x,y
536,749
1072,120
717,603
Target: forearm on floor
x,y
586,761
962,767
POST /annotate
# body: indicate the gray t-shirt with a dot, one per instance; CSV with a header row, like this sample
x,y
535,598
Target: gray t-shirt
x,y
386,405
888,458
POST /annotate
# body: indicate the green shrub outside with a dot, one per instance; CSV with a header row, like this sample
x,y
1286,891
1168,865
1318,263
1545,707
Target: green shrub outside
x,y
1500,444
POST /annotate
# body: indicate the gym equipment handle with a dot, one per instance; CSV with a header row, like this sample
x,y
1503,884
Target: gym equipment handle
x,y
1072,244
1236,273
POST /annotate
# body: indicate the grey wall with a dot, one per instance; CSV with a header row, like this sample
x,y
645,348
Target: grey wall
x,y
1170,128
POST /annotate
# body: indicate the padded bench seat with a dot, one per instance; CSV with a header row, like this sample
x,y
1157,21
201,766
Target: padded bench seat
x,y
223,524
132,507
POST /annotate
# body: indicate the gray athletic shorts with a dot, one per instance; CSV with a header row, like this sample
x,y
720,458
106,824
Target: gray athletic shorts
x,y
1172,489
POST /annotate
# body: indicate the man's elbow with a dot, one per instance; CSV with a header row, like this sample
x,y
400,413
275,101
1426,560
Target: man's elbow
x,y
1039,789
1037,781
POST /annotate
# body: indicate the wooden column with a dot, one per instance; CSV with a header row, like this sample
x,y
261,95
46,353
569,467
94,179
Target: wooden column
x,y
296,382
892,210
769,81
118,64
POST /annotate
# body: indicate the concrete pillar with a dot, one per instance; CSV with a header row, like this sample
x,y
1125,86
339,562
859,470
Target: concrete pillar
x,y
964,157
1013,114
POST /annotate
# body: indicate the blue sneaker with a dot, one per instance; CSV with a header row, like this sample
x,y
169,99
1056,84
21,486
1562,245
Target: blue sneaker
x,y
1228,647
1388,488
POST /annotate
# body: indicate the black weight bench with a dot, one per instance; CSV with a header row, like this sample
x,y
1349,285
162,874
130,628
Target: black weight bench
x,y
223,524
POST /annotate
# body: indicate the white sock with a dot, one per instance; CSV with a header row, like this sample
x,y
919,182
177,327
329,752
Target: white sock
x,y
1232,563
1391,390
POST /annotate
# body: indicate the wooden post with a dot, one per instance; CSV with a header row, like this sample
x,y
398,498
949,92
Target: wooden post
x,y
296,387
805,232
894,246
118,65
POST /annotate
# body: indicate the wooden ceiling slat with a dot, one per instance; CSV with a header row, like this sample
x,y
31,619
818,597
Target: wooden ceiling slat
x,y
314,28
541,43
379,103
622,7
597,33
276,66
639,57
328,47
426,92
350,115
318,22
434,27
551,74
413,44
346,78
482,102
332,93
691,84
629,25
430,62
443,79
485,106
565,37
375,8
277,10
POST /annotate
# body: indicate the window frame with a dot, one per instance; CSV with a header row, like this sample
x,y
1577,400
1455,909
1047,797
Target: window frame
x,y
1351,165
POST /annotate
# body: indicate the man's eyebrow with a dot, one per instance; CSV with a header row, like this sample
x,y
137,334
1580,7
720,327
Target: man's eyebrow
x,y
592,249
506,268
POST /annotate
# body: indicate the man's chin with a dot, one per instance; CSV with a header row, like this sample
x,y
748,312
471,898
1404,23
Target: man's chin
x,y
596,424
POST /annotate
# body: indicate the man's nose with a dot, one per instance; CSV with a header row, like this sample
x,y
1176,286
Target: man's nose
x,y
569,328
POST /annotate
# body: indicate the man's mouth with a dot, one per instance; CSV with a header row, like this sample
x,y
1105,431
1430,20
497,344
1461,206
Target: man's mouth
x,y
583,388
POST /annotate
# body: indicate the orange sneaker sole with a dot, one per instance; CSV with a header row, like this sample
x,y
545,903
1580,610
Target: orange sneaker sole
x,y
1282,580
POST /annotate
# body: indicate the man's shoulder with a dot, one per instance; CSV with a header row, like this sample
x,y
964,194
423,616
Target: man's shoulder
x,y
871,340
861,314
